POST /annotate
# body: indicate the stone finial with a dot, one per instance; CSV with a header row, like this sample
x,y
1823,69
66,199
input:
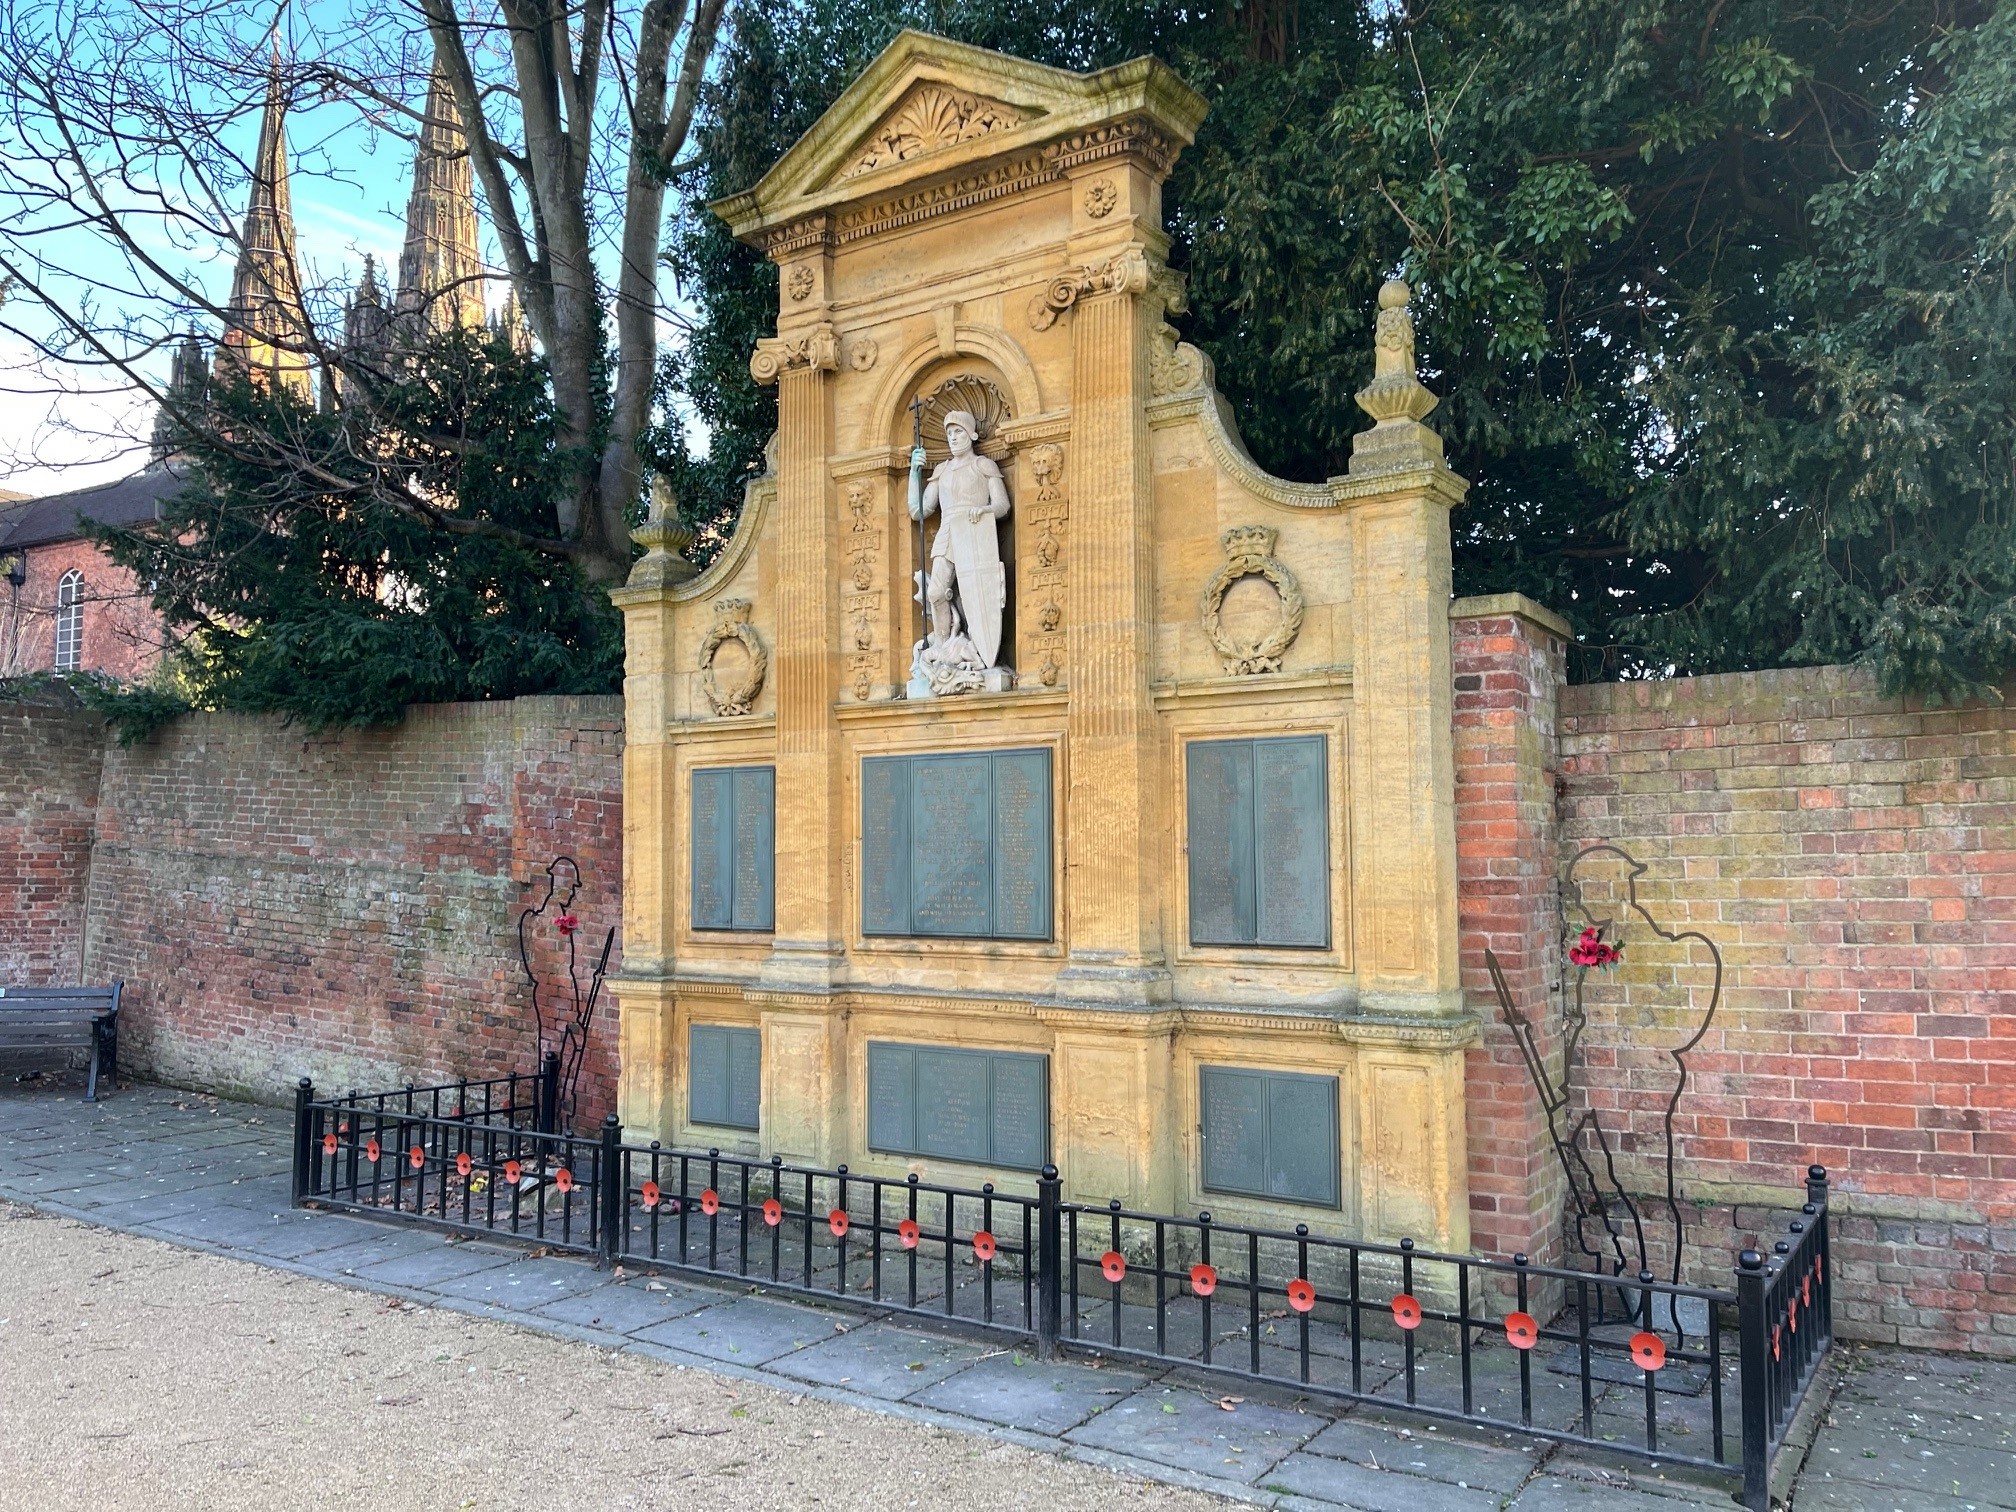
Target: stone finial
x,y
664,540
1395,398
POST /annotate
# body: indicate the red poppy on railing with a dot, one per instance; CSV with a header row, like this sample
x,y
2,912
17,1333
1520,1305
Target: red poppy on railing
x,y
648,1195
373,1150
563,1180
1593,950
328,1144
710,1202
839,1222
464,1164
417,1158
1203,1280
513,1171
1406,1312
907,1233
1521,1332
773,1211
1113,1266
983,1246
566,923
1301,1295
1648,1351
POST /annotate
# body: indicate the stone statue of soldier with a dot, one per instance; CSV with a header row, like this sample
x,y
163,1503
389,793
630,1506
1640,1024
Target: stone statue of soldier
x,y
968,493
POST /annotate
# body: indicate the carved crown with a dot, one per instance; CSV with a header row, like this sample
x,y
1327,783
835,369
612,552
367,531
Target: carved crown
x,y
1250,540
732,611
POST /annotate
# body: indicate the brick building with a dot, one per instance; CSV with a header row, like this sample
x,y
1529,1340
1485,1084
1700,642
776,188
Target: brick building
x,y
64,605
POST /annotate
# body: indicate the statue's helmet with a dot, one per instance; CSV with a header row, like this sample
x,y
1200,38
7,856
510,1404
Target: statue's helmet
x,y
964,420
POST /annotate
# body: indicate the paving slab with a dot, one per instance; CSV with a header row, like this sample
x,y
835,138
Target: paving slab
x,y
522,1285
878,1361
1019,1391
1319,1478
1558,1493
426,1269
1177,1426
749,1331
624,1307
1439,1457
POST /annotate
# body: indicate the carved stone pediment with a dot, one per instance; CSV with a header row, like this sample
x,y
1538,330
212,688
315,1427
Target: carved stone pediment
x,y
931,118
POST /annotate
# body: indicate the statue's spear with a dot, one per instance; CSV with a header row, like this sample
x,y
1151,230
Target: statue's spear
x,y
917,494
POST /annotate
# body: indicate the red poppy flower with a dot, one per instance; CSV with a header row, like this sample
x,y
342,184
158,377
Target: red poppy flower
x,y
838,1221
907,1233
710,1202
1113,1265
1203,1280
1407,1312
1592,950
566,923
463,1164
328,1144
1648,1351
373,1150
563,1179
649,1195
773,1211
1777,1335
343,1128
512,1171
1301,1295
983,1246
1521,1332
417,1158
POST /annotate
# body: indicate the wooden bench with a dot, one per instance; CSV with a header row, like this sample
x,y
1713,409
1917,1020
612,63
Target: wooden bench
x,y
64,1018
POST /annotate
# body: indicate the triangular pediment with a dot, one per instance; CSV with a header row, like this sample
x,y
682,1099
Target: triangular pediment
x,y
928,105
932,117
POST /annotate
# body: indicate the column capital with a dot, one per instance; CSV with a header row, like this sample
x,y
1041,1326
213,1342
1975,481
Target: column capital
x,y
816,350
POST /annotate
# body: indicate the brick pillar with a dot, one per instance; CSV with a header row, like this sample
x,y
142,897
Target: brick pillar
x,y
1507,664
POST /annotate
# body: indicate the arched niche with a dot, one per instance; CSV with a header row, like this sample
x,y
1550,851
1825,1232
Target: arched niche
x,y
963,381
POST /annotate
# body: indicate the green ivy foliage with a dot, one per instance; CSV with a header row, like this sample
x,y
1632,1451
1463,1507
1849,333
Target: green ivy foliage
x,y
292,587
1717,295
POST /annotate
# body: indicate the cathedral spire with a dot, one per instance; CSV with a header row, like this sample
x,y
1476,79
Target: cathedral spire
x,y
440,271
266,326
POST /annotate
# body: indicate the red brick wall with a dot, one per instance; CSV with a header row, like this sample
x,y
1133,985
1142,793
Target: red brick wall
x,y
50,756
122,634
1854,857
1507,661
344,905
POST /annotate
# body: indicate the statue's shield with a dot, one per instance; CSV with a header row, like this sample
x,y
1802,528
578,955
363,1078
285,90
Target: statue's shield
x,y
983,592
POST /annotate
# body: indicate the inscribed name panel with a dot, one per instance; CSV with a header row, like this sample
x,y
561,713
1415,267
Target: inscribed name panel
x,y
885,845
755,848
1021,1111
1233,1111
1302,1157
951,835
1022,845
1291,851
892,1098
723,1066
713,850
952,1105
1220,783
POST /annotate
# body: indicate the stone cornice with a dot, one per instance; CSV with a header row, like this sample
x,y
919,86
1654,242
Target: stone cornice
x,y
1204,404
1262,688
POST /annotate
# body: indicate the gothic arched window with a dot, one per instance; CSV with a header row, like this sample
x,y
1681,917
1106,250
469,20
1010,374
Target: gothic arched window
x,y
70,622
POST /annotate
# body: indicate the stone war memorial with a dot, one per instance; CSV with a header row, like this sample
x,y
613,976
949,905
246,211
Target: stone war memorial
x,y
1032,778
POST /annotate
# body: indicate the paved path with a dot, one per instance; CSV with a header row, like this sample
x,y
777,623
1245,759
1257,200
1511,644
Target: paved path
x,y
1906,1432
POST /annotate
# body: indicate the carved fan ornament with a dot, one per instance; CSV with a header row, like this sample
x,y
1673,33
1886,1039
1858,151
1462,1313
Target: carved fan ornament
x,y
1249,552
731,622
931,119
981,399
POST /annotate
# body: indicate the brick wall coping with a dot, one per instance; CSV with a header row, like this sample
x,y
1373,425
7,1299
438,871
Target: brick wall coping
x,y
1516,605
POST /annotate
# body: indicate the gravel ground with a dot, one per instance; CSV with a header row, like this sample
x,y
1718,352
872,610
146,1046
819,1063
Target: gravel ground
x,y
152,1377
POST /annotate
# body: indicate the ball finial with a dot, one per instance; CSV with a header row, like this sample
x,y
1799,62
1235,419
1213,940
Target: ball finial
x,y
1393,294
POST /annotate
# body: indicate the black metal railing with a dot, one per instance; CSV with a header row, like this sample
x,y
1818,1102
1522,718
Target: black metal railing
x,y
520,1100
1691,1375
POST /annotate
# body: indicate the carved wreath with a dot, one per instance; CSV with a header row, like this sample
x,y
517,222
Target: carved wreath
x,y
731,622
1249,552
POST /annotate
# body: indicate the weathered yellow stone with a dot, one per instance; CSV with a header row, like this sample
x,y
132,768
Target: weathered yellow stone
x,y
967,219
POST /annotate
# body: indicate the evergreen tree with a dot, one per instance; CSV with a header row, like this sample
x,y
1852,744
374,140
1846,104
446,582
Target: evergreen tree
x,y
291,587
1717,295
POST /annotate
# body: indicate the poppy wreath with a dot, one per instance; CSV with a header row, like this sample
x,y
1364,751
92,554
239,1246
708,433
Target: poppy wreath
x,y
1593,950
